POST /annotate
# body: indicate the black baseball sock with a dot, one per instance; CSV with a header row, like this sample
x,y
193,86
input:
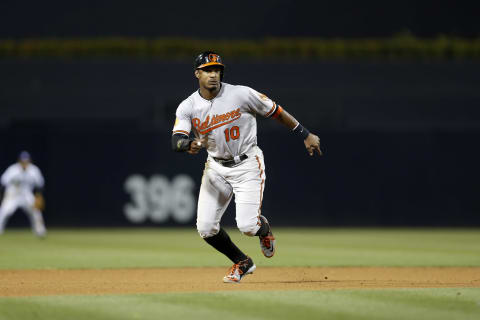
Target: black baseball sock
x,y
263,231
222,242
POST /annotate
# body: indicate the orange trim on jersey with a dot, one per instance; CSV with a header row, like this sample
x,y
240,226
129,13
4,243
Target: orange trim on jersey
x,y
271,110
277,113
182,131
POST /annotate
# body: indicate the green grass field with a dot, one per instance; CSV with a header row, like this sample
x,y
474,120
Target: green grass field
x,y
149,248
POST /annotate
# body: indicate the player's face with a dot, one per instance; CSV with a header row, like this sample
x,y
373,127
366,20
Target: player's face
x,y
24,164
209,77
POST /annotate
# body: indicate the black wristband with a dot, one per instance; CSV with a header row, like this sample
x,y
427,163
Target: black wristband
x,y
181,142
301,131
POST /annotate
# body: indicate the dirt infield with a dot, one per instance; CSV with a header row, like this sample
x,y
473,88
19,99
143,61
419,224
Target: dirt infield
x,y
124,281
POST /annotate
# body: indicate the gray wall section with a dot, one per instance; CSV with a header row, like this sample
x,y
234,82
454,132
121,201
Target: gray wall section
x,y
400,96
400,138
234,19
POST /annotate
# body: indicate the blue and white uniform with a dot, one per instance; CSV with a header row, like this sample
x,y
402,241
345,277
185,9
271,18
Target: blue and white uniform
x,y
19,185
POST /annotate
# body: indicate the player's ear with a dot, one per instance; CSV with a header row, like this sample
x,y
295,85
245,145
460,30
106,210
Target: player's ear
x,y
197,74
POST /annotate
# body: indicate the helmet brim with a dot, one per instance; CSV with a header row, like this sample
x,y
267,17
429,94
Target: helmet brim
x,y
210,64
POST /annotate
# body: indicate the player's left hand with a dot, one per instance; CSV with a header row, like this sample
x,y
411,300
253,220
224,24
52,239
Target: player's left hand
x,y
312,143
39,203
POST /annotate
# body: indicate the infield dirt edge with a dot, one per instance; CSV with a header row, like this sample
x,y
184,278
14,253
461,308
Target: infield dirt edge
x,y
162,280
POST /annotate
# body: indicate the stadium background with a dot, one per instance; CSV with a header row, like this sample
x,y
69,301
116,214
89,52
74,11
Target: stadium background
x,y
399,128
383,226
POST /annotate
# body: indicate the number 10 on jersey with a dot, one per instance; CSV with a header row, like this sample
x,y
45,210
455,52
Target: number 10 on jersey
x,y
233,133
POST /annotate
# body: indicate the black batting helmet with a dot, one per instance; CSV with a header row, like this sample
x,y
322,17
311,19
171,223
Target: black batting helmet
x,y
209,58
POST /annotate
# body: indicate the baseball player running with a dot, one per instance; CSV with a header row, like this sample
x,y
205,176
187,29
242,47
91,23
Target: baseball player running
x,y
222,119
22,185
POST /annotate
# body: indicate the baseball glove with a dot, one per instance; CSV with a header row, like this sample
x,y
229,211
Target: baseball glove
x,y
39,203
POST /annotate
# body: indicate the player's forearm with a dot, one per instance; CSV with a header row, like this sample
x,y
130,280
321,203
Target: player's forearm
x,y
290,122
286,119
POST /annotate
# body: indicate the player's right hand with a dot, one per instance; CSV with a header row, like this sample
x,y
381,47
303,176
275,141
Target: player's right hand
x,y
312,143
197,145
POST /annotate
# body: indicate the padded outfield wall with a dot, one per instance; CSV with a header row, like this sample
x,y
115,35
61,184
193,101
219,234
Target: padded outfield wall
x,y
400,141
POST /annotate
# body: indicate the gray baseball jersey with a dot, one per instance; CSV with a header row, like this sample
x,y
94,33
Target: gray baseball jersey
x,y
228,120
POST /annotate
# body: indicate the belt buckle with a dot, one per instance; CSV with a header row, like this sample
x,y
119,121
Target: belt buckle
x,y
237,159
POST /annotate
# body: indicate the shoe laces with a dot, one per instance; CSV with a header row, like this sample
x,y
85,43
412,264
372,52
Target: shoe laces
x,y
236,266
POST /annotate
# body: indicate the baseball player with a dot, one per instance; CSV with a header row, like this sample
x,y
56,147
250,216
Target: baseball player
x,y
222,118
22,185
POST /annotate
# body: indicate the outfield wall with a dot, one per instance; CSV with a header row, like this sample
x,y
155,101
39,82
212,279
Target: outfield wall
x,y
365,178
400,141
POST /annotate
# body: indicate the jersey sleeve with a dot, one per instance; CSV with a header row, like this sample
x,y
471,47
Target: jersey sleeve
x,y
6,176
183,121
39,180
261,104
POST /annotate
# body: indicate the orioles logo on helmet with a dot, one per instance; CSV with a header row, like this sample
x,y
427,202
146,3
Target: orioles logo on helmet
x,y
213,57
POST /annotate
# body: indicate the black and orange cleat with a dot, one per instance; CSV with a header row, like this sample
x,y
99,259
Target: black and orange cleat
x,y
240,270
267,243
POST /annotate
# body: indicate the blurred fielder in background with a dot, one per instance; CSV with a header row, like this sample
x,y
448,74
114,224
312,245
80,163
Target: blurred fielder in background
x,y
223,120
21,185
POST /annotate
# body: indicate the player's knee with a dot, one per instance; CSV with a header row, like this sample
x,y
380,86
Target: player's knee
x,y
248,229
207,229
